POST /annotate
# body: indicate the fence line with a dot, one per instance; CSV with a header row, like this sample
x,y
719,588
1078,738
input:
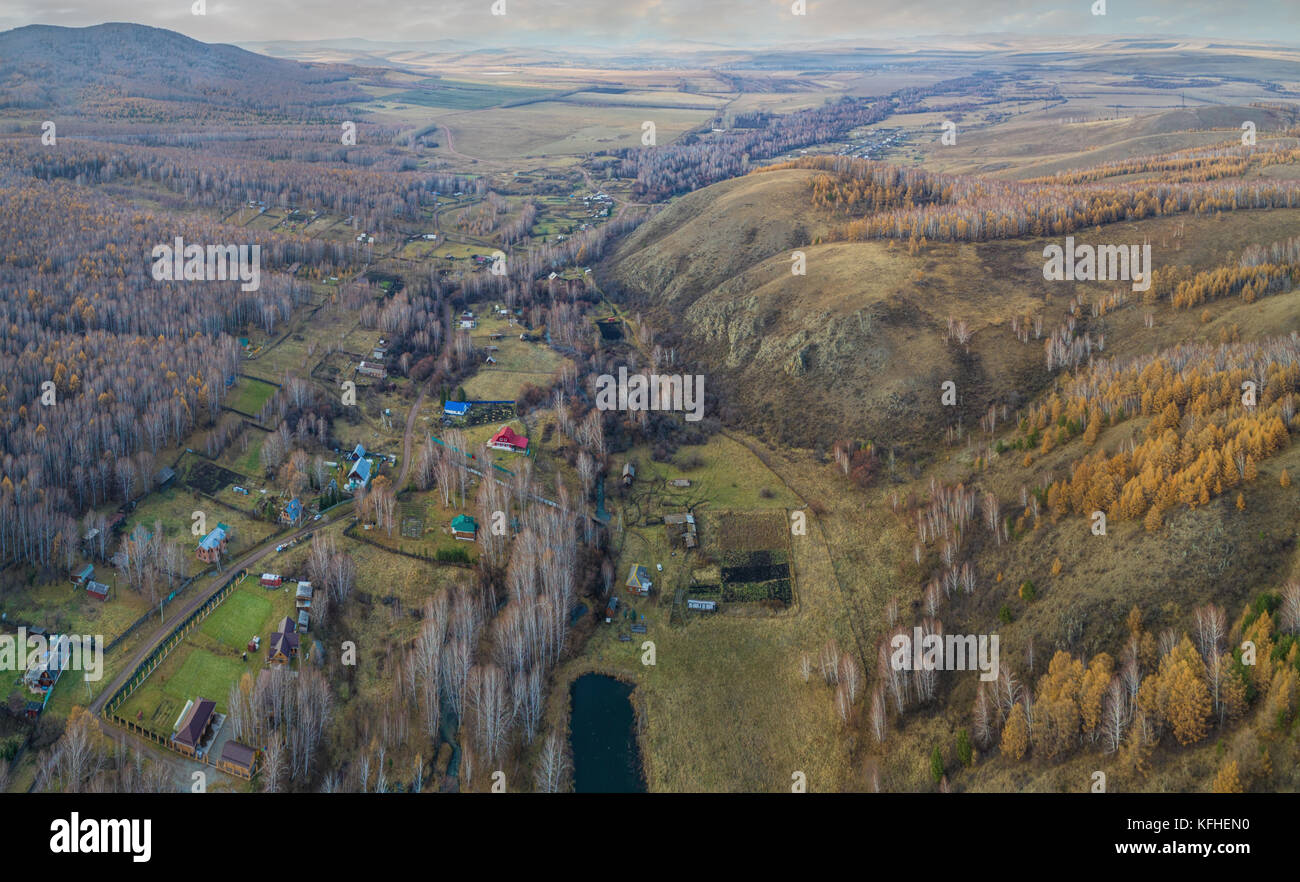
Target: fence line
x,y
170,642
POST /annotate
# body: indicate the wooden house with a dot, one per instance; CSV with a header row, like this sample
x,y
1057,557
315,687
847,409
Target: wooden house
x,y
464,527
638,580
238,759
195,727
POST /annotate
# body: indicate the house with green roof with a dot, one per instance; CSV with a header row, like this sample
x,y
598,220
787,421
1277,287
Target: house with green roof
x,y
464,527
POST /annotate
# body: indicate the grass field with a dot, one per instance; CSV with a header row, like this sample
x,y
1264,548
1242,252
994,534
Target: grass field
x,y
209,660
249,395
174,508
185,675
242,615
464,94
552,127
724,708
59,607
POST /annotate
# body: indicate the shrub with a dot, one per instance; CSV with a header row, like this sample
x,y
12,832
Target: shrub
x,y
964,751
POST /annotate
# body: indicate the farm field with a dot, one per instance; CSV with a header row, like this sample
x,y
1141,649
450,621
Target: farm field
x,y
551,127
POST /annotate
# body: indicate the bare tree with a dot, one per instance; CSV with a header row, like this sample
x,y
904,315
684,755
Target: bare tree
x,y
554,770
273,769
879,716
850,676
1211,629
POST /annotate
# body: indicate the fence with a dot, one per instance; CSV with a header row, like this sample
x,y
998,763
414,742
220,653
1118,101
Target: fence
x,y
170,642
352,532
149,615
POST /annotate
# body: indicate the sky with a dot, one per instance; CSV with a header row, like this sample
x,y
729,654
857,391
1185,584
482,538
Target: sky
x,y
612,23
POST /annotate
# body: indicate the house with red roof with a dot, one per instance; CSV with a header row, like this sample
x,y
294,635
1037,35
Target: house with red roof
x,y
507,438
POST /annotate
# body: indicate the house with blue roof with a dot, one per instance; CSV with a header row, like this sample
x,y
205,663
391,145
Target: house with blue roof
x,y
292,512
359,451
455,408
359,475
213,545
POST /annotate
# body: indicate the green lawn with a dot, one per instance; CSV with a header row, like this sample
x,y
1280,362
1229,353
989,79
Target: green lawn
x,y
184,676
241,615
248,395
209,662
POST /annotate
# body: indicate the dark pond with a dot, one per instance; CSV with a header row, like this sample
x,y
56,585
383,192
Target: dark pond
x,y
603,737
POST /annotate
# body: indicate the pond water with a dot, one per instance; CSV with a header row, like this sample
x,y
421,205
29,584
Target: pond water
x,y
603,737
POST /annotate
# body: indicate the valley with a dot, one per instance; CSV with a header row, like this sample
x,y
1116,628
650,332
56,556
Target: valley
x,y
373,521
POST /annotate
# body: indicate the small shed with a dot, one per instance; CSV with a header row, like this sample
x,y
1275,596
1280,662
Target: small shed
x,y
238,759
705,605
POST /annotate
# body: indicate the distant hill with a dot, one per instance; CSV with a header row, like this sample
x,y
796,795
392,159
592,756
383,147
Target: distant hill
x,y
857,341
128,71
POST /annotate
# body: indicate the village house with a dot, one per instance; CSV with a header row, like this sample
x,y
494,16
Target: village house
x,y
97,590
703,605
455,409
44,672
238,760
82,576
638,580
292,512
464,527
507,438
303,621
283,644
373,370
213,545
302,599
195,727
271,580
359,474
